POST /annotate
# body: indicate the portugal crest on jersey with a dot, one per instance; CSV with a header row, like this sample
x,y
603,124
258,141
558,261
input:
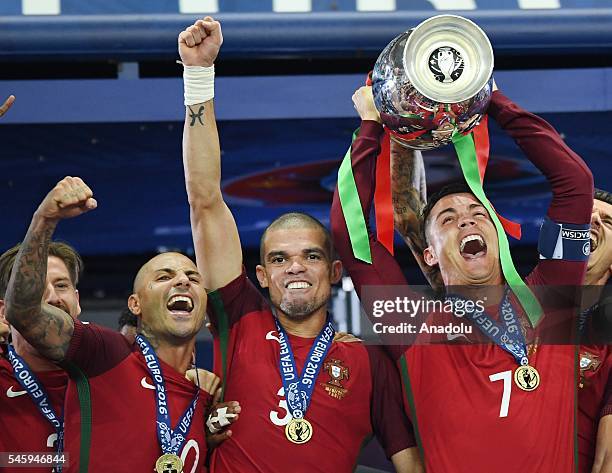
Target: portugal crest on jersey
x,y
337,373
588,362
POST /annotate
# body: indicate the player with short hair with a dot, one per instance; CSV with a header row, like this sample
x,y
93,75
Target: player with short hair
x,y
595,360
138,393
469,413
308,402
20,402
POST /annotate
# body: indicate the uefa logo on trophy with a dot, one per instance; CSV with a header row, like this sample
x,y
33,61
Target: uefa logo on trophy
x,y
434,80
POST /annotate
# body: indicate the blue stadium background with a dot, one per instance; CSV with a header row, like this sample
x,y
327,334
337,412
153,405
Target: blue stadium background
x,y
99,95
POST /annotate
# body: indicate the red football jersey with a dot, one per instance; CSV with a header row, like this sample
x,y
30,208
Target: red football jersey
x,y
595,369
24,428
123,409
471,416
357,391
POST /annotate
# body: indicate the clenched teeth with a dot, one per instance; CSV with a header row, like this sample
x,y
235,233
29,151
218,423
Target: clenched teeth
x,y
298,285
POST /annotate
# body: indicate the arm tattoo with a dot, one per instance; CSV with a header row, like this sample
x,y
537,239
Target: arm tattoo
x,y
408,202
196,116
47,328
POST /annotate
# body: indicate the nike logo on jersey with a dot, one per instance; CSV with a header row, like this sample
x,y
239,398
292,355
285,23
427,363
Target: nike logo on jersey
x,y
11,393
144,384
453,336
270,336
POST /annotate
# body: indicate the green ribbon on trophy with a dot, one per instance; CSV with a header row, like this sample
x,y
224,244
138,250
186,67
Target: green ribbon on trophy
x,y
466,152
351,208
473,171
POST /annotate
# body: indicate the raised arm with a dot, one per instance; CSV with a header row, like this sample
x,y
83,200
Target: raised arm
x,y
569,177
45,327
364,150
215,236
409,194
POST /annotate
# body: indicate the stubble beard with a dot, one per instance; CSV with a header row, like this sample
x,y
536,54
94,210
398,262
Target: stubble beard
x,y
301,310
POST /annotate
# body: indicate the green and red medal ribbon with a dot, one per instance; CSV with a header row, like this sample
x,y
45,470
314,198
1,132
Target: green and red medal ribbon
x,y
473,153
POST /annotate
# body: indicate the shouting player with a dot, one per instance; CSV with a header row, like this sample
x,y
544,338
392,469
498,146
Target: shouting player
x,y
471,415
594,409
308,402
139,395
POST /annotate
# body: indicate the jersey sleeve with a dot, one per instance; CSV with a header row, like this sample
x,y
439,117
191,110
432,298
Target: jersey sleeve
x,y
569,177
228,304
391,425
96,349
384,270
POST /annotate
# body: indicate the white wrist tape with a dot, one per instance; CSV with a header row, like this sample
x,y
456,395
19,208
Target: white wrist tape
x,y
199,84
222,418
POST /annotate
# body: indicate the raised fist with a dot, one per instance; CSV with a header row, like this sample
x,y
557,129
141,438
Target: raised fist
x,y
71,197
364,104
199,44
7,104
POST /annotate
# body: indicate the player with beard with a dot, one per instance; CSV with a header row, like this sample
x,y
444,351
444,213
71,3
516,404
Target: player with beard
x,y
137,391
25,427
471,416
308,402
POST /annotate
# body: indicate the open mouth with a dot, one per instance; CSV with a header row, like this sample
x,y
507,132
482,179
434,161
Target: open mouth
x,y
472,246
298,285
593,240
180,304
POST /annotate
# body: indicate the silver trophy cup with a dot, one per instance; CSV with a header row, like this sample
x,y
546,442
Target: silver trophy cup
x,y
433,80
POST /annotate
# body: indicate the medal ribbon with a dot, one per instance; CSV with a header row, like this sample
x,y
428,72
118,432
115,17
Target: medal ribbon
x,y
466,152
510,337
35,389
170,440
299,391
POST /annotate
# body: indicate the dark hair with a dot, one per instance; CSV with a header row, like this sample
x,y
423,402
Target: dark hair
x,y
127,318
602,195
59,249
297,220
459,187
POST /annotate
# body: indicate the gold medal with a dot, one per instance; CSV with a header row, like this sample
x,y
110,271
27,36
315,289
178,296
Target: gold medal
x,y
169,463
527,378
298,431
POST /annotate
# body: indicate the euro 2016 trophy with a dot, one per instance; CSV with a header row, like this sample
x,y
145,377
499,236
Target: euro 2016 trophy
x,y
434,80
